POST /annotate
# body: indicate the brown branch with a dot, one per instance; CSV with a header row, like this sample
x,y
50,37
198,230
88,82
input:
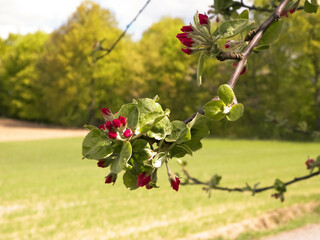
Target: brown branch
x,y
246,52
108,51
238,189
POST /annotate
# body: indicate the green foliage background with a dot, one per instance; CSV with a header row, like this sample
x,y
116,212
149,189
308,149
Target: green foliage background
x,y
51,77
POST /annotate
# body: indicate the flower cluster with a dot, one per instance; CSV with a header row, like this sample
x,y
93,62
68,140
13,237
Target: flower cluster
x,y
196,38
115,127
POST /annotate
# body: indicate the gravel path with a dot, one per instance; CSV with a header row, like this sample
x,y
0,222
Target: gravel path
x,y
15,130
309,232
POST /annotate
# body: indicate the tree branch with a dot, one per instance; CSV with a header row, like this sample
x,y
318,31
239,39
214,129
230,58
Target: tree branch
x,y
108,51
238,189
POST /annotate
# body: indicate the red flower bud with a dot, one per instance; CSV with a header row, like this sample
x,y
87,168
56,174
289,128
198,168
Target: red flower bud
x,y
116,123
101,163
203,19
108,125
175,183
102,126
309,163
187,51
127,133
181,36
112,177
143,180
187,42
148,187
105,111
244,70
123,120
186,29
112,135
292,10
217,19
226,45
284,13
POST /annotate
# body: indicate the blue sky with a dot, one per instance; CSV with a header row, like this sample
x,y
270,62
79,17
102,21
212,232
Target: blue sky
x,y
24,16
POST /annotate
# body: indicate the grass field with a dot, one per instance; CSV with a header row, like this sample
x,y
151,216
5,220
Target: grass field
x,y
48,192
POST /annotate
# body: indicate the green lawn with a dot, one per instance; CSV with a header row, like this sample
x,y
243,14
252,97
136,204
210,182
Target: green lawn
x,y
48,192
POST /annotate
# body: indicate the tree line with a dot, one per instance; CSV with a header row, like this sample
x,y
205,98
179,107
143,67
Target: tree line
x,y
53,78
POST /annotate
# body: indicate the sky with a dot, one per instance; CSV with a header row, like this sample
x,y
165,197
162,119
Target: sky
x,y
27,16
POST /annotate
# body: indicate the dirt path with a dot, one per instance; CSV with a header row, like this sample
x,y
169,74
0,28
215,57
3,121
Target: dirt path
x,y
15,130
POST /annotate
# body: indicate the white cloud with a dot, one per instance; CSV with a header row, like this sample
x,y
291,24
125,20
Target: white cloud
x,y
21,16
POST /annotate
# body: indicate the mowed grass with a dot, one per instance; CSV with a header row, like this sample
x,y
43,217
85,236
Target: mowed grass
x,y
48,192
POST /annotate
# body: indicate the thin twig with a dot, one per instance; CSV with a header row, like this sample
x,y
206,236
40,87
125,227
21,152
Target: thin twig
x,y
108,51
196,181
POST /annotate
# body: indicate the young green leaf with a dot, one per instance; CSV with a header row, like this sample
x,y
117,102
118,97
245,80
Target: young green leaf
x,y
226,94
261,48
271,33
214,109
200,68
244,14
180,132
121,161
314,2
96,145
90,127
236,112
148,105
130,180
140,144
232,27
222,4
161,129
131,112
310,8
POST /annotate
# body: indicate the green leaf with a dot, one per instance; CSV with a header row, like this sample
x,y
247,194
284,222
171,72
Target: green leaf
x,y
161,129
180,132
90,127
310,8
236,112
247,29
121,161
148,105
279,186
314,2
233,27
244,14
131,112
214,109
180,151
226,94
271,33
222,4
151,119
261,48
130,180
140,144
96,145
200,68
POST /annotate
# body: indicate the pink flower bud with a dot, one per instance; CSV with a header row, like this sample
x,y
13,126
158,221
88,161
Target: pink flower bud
x,y
187,51
175,183
217,19
127,133
143,180
105,111
112,135
148,187
203,19
112,177
187,42
123,120
309,163
101,163
244,70
102,126
181,36
116,123
186,29
108,125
